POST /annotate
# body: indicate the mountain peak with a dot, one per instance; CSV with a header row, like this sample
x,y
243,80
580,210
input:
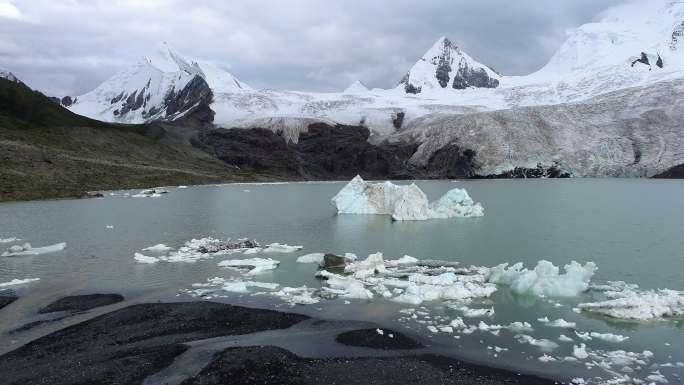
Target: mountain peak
x,y
445,65
356,88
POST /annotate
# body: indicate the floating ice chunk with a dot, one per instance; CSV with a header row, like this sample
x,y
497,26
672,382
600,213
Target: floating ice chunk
x,y
27,249
543,344
182,187
545,279
446,329
455,203
580,352
560,323
346,287
370,266
243,286
297,295
160,248
546,358
499,349
579,381
255,265
657,377
520,327
405,260
627,302
312,258
18,282
281,248
109,227
564,338
9,240
433,329
609,337
403,203
477,313
543,320
141,258
457,323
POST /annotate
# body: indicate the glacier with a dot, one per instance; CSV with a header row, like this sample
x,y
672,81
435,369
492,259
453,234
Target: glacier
x,y
402,203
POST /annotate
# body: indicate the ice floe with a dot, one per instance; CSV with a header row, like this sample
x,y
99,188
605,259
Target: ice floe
x,y
253,265
543,344
18,282
559,323
141,258
27,249
316,258
627,301
545,279
281,248
9,240
160,248
403,203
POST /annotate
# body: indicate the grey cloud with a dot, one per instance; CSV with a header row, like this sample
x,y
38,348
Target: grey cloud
x,y
69,46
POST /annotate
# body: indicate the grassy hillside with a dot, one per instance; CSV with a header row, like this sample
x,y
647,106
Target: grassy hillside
x,y
48,152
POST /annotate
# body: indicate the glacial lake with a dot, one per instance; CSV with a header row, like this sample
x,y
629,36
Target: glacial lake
x,y
631,228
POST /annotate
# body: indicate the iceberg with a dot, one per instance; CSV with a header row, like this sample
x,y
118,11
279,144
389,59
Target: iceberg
x,y
403,203
27,249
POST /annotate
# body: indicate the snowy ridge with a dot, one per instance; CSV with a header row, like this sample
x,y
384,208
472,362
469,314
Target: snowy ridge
x,y
163,85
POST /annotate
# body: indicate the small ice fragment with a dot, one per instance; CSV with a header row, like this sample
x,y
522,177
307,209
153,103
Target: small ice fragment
x,y
609,337
564,338
160,248
110,227
390,335
9,240
281,248
432,329
380,332
255,265
580,351
141,258
561,323
546,358
311,258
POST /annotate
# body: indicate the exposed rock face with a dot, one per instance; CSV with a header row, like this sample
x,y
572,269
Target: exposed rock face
x,y
330,152
676,172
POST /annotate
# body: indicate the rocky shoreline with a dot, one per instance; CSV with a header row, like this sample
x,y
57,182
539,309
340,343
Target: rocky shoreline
x,y
146,343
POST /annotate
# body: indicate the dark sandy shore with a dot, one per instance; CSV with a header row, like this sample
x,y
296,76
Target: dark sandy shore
x,y
150,343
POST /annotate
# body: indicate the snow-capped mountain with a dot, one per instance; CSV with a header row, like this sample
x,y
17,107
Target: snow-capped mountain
x,y
163,86
631,59
445,65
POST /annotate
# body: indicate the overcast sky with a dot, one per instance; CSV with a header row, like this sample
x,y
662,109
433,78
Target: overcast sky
x,y
69,46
